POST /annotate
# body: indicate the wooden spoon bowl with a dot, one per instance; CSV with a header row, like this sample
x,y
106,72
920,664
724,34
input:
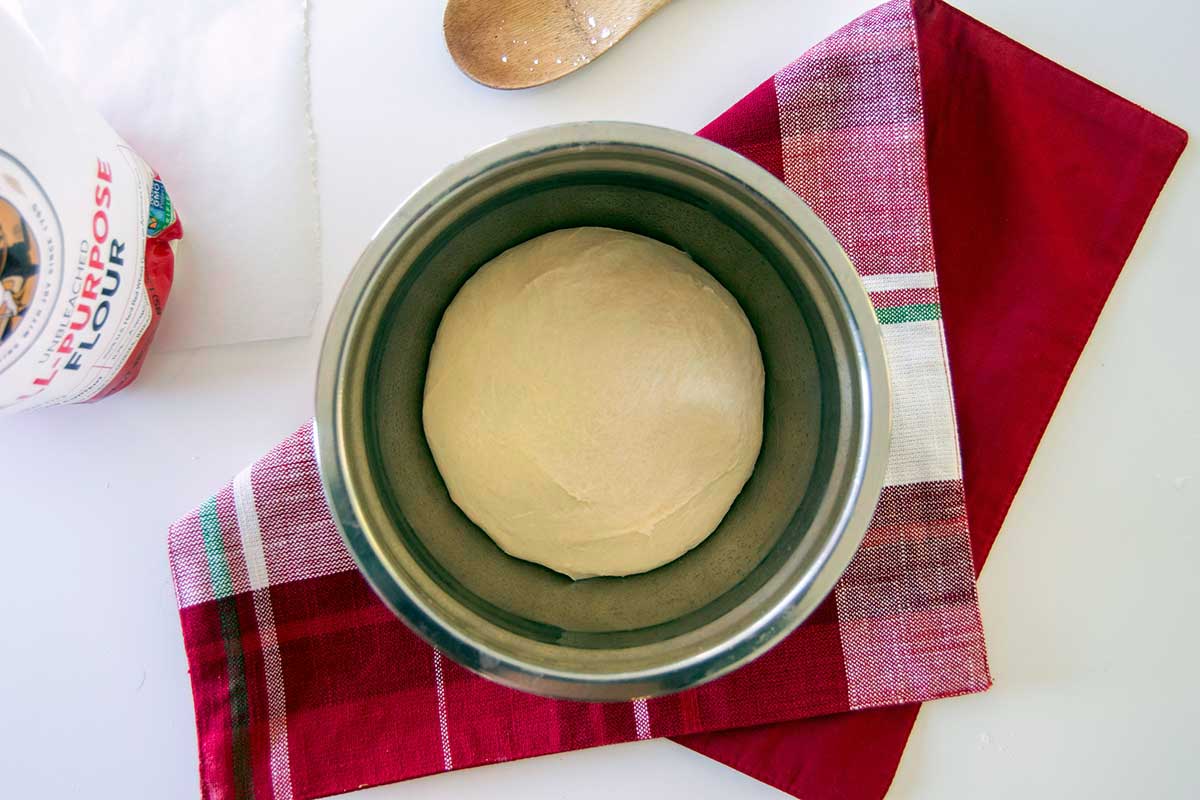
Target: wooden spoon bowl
x,y
515,44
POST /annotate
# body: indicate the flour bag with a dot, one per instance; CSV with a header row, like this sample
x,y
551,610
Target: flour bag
x,y
87,237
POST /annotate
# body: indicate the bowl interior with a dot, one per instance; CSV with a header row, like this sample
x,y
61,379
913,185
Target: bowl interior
x,y
771,519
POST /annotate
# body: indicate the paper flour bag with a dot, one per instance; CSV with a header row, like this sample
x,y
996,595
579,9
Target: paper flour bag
x,y
87,233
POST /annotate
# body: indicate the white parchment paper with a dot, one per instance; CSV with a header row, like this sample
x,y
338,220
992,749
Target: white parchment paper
x,y
214,95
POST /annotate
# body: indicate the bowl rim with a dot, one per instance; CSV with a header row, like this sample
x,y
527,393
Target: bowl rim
x,y
791,610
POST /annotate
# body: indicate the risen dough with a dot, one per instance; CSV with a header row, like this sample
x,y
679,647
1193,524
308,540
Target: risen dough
x,y
594,401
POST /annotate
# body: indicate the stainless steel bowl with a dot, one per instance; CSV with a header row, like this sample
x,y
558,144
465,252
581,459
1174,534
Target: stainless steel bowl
x,y
787,538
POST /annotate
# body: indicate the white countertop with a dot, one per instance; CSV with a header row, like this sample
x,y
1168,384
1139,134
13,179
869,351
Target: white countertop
x,y
1090,594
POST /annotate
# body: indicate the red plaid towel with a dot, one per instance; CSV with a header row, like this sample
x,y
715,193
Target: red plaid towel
x,y
1040,182
306,686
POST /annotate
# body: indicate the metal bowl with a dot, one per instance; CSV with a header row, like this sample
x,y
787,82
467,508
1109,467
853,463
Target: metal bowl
x,y
793,528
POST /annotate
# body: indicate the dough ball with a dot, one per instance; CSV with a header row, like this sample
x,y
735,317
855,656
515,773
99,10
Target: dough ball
x,y
594,401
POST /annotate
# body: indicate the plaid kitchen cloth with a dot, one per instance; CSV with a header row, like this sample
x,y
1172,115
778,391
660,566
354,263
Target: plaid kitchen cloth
x,y
1040,182
305,685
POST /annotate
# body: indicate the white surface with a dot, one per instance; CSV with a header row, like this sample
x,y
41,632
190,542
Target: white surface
x,y
1090,595
222,81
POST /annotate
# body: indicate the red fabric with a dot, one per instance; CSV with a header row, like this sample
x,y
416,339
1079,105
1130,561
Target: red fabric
x,y
350,665
751,127
1040,182
304,684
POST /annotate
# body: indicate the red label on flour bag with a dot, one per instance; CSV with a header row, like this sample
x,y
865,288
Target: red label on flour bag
x,y
87,233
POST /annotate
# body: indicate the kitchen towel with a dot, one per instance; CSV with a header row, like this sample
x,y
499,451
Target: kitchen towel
x,y
273,612
305,685
1039,182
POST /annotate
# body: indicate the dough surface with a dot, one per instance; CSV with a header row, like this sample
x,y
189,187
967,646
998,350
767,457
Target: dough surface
x,y
594,401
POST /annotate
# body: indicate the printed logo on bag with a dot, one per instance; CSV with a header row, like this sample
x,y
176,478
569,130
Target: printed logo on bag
x,y
162,210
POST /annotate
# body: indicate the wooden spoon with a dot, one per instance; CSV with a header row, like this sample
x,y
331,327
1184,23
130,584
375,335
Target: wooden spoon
x,y
514,44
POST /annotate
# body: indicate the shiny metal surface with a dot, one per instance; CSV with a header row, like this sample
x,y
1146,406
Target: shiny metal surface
x,y
786,540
